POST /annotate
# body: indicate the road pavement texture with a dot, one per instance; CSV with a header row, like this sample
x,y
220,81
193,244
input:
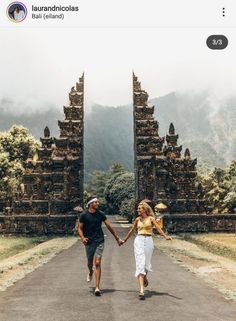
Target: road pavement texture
x,y
58,291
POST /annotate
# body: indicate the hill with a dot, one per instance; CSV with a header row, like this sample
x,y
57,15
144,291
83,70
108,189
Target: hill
x,y
207,127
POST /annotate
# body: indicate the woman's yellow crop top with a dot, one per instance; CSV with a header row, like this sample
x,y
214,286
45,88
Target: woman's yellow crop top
x,y
145,226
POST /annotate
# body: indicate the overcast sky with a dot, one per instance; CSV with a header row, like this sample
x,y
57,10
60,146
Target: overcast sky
x,y
41,65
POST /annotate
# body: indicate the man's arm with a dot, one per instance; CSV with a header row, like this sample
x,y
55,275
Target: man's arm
x,y
81,233
113,232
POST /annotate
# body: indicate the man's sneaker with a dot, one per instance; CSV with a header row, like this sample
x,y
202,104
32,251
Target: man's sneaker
x,y
97,292
89,277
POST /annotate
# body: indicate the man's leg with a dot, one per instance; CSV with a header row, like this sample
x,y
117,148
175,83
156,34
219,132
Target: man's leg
x,y
90,250
97,262
90,267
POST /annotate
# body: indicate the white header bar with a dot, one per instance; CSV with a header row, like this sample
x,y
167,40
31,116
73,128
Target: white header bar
x,y
122,13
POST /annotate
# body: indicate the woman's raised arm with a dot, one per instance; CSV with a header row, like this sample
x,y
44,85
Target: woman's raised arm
x,y
131,231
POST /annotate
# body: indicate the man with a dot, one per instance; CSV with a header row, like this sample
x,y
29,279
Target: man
x,y
90,231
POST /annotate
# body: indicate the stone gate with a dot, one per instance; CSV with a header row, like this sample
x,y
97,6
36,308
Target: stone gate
x,y
161,174
53,180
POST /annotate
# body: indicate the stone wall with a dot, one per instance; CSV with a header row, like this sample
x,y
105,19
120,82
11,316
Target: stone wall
x,y
203,223
37,224
3,204
61,224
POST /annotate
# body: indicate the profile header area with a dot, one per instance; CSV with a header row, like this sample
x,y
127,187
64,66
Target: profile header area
x,y
53,11
54,8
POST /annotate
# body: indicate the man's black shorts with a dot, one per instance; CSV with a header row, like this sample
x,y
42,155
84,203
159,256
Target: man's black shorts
x,y
94,249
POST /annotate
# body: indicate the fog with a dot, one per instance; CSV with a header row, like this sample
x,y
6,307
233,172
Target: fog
x,y
39,66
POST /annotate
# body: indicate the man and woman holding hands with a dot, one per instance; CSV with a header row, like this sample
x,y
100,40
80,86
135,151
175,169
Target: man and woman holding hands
x,y
91,234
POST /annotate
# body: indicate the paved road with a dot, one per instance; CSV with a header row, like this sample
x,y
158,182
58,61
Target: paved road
x,y
57,291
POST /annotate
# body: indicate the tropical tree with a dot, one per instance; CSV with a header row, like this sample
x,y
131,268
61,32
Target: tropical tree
x,y
115,189
15,145
119,191
220,189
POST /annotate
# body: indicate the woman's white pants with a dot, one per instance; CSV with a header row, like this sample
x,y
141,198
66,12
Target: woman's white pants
x,y
143,248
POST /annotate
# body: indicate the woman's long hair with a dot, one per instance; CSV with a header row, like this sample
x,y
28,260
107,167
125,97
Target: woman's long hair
x,y
147,208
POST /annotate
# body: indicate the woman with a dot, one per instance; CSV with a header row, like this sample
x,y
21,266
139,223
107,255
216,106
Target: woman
x,y
19,14
143,243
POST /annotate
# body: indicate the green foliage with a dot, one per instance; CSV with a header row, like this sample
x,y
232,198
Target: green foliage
x,y
17,142
115,189
95,186
4,162
127,208
15,146
230,201
220,189
232,169
96,183
119,191
117,168
203,170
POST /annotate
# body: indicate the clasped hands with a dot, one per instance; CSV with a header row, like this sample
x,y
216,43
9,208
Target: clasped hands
x,y
120,241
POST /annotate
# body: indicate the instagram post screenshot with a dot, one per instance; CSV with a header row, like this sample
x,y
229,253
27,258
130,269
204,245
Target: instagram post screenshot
x,y
118,160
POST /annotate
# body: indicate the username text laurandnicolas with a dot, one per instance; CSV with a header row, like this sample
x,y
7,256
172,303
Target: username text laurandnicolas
x,y
52,12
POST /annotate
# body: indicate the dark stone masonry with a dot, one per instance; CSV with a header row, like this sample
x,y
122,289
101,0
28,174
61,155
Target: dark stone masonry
x,y
200,223
161,174
53,181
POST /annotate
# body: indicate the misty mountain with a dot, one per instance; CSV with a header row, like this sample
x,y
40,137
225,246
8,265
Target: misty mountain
x,y
207,127
109,137
12,113
201,123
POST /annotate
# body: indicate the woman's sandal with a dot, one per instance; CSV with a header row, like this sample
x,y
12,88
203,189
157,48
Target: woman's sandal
x,y
141,296
145,282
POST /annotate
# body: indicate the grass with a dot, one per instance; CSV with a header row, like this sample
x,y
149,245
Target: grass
x,y
220,244
10,246
21,255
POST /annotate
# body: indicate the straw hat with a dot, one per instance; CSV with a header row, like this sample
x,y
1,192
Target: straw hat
x,y
160,206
